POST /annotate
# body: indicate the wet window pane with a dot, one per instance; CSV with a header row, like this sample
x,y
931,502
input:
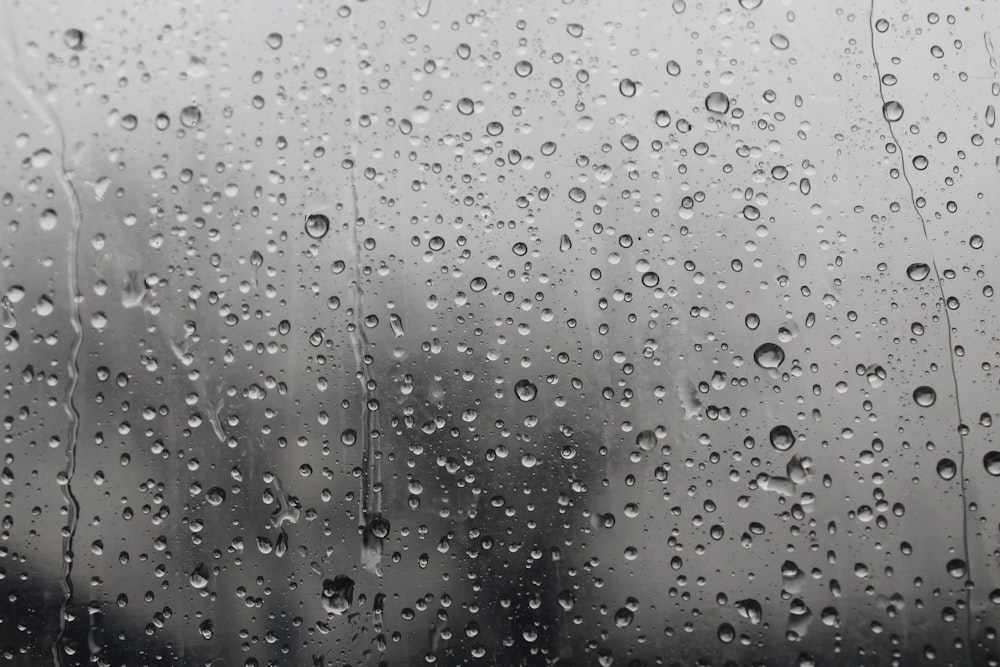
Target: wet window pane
x,y
503,333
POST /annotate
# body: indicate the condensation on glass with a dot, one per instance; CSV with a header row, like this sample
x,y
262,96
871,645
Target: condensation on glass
x,y
505,333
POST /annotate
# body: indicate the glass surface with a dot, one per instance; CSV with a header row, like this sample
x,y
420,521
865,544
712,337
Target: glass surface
x,y
501,333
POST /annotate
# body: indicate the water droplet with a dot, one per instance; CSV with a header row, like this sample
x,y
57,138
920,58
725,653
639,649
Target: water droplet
x,y
199,577
650,279
190,116
782,438
348,437
74,39
779,41
574,30
976,242
215,496
918,271
623,618
924,396
956,568
769,355
48,220
338,594
525,390
317,225
750,4
717,102
523,68
577,195
892,110
750,609
565,243
465,106
274,40
881,25
162,121
662,118
991,461
628,87
646,440
946,468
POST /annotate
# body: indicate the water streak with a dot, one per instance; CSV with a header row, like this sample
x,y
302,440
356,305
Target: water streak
x,y
371,523
45,113
951,345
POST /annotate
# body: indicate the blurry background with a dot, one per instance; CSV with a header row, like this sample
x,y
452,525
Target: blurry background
x,y
499,333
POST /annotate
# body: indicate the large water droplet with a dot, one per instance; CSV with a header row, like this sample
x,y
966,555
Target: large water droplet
x,y
199,577
991,461
338,594
892,110
190,116
717,102
946,469
769,355
525,391
317,225
924,396
646,440
782,438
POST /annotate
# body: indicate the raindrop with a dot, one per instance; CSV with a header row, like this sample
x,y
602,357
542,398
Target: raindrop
x,y
769,355
717,102
348,437
199,577
946,469
465,106
782,438
650,279
190,116
924,396
918,271
991,461
779,41
274,40
750,4
628,87
338,594
956,568
317,225
892,110
525,390
646,440
523,68
74,39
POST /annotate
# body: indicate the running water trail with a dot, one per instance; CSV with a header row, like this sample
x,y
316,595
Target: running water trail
x,y
951,345
372,526
45,113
